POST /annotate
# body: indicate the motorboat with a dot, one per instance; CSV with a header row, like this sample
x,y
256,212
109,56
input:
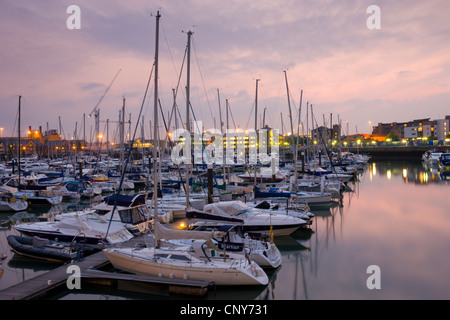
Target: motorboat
x,y
77,228
112,221
34,166
444,162
76,190
273,192
431,157
297,210
252,219
31,191
311,198
264,176
130,211
8,202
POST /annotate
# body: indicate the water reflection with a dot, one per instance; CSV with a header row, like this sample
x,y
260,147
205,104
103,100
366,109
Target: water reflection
x,y
411,172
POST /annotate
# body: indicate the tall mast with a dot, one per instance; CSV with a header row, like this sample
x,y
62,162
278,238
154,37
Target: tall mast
x,y
122,135
188,127
18,131
298,137
256,123
155,128
292,131
221,129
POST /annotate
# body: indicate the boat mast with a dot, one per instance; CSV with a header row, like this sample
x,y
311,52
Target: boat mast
x,y
292,131
224,158
256,123
18,153
122,135
298,137
221,130
155,128
188,127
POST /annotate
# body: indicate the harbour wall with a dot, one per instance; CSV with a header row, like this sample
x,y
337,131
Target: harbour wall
x,y
400,152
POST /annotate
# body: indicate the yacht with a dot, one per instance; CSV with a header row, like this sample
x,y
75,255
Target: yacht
x,y
252,220
194,261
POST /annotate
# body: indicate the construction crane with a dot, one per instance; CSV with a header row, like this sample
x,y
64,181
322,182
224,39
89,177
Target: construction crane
x,y
96,110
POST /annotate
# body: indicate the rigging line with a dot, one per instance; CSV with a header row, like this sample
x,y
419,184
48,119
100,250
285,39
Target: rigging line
x,y
232,118
203,82
15,122
176,91
250,115
130,149
171,144
327,152
293,103
168,47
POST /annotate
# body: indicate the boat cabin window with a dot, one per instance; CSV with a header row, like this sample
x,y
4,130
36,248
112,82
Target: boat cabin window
x,y
101,212
161,255
179,257
132,216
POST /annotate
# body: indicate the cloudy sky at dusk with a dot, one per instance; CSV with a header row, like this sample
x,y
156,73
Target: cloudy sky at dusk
x,y
399,72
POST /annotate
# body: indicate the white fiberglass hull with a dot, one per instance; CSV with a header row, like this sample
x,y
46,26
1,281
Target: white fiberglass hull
x,y
17,205
143,262
68,229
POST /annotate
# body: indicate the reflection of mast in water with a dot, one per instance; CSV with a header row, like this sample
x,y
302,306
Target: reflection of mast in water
x,y
324,231
303,277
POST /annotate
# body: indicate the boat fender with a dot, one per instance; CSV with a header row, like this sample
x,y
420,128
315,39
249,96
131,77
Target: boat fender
x,y
13,200
25,197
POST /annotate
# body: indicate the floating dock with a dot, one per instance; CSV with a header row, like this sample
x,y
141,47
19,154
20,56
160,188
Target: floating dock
x,y
44,285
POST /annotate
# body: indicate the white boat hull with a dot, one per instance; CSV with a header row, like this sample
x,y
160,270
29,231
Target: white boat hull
x,y
142,262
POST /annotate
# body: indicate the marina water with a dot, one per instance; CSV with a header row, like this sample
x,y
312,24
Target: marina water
x,y
396,218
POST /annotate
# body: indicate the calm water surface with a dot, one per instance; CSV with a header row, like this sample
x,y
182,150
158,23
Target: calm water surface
x,y
397,218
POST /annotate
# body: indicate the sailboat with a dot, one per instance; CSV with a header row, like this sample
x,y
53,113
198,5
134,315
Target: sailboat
x,y
185,261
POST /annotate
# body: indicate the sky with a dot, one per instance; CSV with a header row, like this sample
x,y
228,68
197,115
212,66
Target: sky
x,y
325,50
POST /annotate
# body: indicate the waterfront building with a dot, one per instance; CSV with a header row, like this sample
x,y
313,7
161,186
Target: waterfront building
x,y
410,132
442,128
418,128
